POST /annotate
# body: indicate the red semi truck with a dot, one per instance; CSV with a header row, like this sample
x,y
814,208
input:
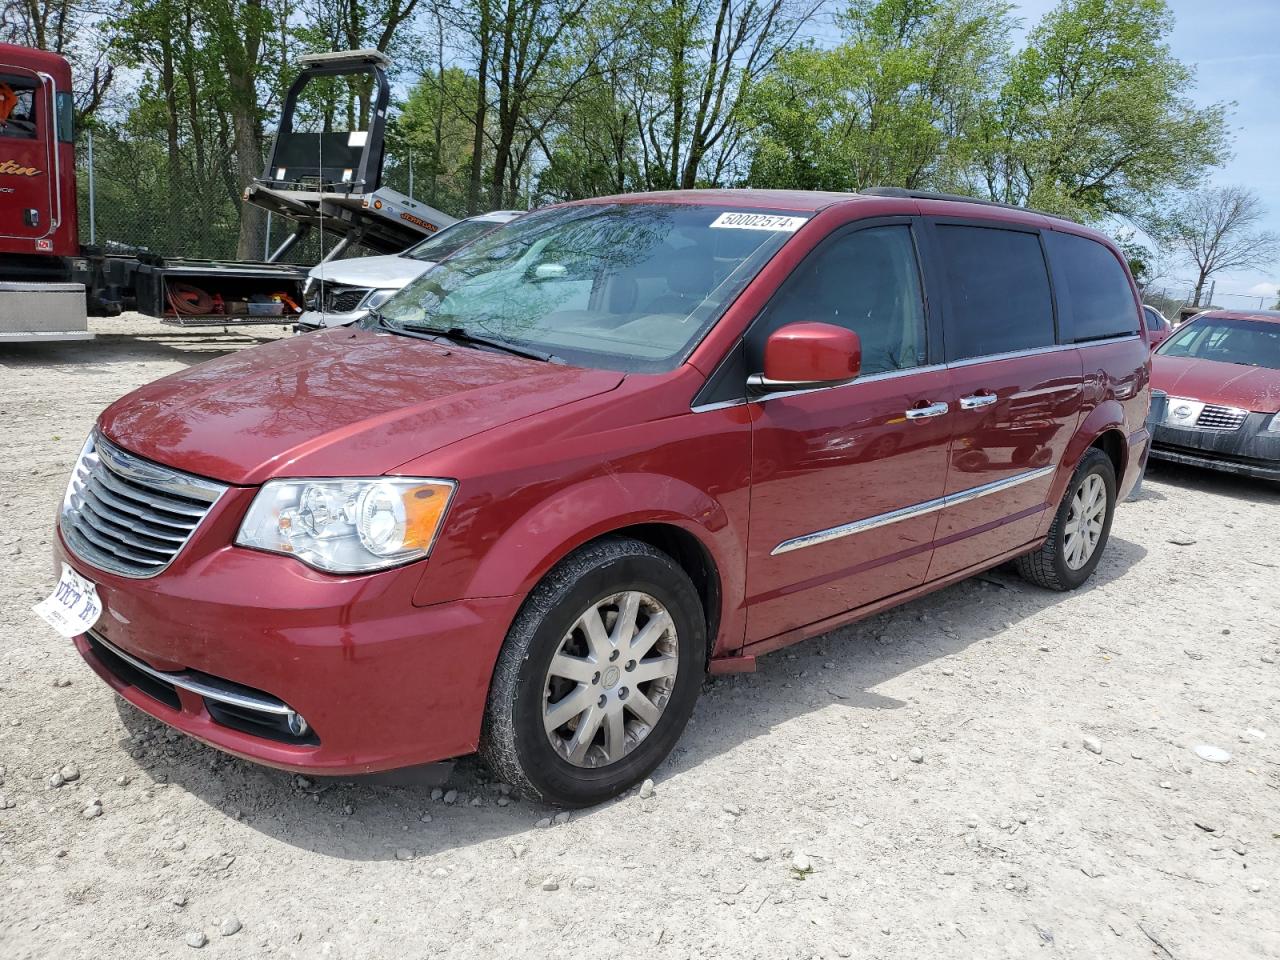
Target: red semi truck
x,y
49,283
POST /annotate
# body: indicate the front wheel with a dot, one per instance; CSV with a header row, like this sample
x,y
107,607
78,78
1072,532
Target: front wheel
x,y
598,675
1080,528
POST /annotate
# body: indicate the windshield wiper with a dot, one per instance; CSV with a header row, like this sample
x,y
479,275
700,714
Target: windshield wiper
x,y
462,336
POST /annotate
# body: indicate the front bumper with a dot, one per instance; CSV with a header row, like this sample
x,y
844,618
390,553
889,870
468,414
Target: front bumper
x,y
1249,450
382,684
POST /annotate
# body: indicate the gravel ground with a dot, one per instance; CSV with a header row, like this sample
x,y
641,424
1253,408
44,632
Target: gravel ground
x,y
993,771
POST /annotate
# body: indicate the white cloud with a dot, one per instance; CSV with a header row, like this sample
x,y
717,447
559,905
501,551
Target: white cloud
x,y
1264,290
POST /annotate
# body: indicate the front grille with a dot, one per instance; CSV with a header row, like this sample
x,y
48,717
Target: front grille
x,y
1220,418
130,516
344,299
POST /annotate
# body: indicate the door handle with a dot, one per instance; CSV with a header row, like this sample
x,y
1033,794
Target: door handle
x,y
977,400
932,410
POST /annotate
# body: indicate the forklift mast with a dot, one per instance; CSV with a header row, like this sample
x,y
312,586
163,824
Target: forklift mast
x,y
332,179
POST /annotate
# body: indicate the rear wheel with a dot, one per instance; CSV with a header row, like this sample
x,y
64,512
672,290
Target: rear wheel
x,y
598,675
1080,528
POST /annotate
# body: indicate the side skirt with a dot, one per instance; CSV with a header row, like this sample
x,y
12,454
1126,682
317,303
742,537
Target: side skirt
x,y
778,641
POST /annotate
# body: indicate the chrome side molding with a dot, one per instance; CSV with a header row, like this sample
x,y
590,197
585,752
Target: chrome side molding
x,y
907,513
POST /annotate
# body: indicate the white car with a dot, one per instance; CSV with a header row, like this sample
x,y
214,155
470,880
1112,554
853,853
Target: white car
x,y
343,291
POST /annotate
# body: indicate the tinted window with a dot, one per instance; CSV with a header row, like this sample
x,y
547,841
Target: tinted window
x,y
17,108
1154,323
867,281
450,240
999,291
66,118
1100,299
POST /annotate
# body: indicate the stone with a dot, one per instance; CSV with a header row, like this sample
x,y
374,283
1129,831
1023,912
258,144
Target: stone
x,y
760,856
584,883
1182,540
801,864
732,809
230,927
948,672
1211,754
123,781
561,818
916,755
1166,785
196,939
451,796
503,801
544,822
404,853
7,803
437,794
1093,745
518,850
62,682
549,884
646,790
178,899
92,810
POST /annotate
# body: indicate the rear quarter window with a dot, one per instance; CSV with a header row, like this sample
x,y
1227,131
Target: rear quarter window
x,y
998,287
1097,300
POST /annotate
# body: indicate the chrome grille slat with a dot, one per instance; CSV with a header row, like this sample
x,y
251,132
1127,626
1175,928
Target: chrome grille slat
x,y
1214,417
117,485
155,526
130,516
113,528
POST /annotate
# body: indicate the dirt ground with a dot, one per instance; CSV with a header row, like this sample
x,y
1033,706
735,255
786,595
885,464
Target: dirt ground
x,y
1010,837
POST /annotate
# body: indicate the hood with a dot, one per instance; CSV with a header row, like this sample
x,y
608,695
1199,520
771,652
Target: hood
x,y
340,403
380,273
1226,384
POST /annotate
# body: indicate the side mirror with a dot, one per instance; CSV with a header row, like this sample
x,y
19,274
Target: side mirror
x,y
809,355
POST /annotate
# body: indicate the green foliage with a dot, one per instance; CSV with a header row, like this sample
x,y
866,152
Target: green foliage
x,y
1095,117
900,102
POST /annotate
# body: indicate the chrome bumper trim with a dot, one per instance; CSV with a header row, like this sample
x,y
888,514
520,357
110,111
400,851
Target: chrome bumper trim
x,y
210,688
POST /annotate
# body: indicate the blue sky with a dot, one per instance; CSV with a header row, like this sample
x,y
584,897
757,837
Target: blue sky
x,y
1233,46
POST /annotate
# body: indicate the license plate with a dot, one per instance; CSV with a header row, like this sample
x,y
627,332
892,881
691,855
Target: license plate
x,y
73,607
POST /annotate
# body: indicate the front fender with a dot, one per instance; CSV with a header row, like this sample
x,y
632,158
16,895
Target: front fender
x,y
574,515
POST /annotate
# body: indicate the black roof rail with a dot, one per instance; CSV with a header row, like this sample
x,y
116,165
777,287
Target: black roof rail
x,y
904,193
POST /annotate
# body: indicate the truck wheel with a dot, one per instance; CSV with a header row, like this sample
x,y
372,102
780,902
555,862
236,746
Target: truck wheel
x,y
1080,528
598,675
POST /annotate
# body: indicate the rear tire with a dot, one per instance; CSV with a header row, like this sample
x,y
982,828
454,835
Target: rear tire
x,y
598,675
1080,530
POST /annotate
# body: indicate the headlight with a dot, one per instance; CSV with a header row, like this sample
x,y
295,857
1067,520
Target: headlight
x,y
1273,425
348,526
378,298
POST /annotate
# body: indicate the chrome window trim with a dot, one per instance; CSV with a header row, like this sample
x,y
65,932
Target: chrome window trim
x,y
783,394
202,688
907,513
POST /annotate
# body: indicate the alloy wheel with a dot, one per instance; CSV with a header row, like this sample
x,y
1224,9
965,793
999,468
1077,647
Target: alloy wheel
x,y
610,679
1085,521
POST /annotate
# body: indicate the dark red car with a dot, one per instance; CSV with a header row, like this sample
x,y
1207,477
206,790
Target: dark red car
x,y
1221,371
607,448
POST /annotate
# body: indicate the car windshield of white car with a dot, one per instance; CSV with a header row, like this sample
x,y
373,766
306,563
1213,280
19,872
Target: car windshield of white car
x,y
622,286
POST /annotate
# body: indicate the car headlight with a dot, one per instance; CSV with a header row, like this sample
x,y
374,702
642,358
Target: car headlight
x,y
348,525
378,298
1273,425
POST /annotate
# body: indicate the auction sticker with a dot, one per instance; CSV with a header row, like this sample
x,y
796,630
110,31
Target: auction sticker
x,y
73,607
759,221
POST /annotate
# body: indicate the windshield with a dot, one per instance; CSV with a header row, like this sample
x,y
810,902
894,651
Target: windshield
x,y
450,240
1251,343
621,286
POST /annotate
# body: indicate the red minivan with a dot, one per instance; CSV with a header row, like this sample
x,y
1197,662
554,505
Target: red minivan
x,y
607,448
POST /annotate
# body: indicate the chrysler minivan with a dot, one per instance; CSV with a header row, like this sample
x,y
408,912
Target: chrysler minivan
x,y
606,449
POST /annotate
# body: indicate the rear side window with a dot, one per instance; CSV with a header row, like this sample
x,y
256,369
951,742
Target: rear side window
x,y
17,107
866,280
1154,322
999,291
1099,301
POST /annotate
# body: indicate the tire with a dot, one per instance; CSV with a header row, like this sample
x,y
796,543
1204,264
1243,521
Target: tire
x,y
553,624
1054,566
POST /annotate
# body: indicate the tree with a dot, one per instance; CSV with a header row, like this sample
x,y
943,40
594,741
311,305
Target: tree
x,y
1095,118
899,102
1218,230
